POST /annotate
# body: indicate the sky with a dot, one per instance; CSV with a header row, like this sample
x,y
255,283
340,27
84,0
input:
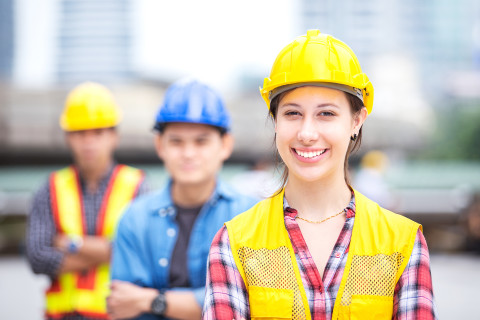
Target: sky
x,y
211,39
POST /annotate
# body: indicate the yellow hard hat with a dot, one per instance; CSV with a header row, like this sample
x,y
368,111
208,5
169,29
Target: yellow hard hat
x,y
317,59
89,106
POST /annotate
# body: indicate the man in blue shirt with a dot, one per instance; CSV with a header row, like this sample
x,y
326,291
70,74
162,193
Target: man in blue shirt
x,y
160,251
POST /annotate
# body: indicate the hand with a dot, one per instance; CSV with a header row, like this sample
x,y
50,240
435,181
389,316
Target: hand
x,y
61,242
127,300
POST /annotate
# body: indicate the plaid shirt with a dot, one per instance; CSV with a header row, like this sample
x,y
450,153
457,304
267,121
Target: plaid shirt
x,y
227,296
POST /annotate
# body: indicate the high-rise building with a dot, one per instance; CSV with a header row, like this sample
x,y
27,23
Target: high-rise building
x,y
6,38
438,35
94,42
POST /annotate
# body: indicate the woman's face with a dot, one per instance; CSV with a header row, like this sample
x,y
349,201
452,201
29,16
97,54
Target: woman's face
x,y
313,128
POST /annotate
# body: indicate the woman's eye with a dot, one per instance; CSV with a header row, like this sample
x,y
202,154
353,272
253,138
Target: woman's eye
x,y
326,114
292,113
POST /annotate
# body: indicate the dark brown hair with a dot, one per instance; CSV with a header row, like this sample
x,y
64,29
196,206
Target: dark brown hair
x,y
355,106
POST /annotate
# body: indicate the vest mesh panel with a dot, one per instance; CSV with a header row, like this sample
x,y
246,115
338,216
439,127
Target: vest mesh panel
x,y
272,269
372,275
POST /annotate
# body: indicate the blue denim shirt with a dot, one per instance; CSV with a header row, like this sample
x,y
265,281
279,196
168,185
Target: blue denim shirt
x,y
147,233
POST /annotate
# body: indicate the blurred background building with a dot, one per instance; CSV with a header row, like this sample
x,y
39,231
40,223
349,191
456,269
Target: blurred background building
x,y
94,41
6,38
423,58
417,54
440,37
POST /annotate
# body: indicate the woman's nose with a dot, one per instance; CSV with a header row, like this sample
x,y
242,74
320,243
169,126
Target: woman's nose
x,y
308,132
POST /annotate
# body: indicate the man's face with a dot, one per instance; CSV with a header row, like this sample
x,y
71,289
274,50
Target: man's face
x,y
193,153
92,148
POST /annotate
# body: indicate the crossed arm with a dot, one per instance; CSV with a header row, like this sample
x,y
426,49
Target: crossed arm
x,y
47,250
128,300
94,251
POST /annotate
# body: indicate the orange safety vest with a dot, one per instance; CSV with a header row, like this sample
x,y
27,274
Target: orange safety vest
x,y
85,292
380,248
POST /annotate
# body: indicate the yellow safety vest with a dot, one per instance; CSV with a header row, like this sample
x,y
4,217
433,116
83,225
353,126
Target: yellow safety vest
x,y
85,292
379,251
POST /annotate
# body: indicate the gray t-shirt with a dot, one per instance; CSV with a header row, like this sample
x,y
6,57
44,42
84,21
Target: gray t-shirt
x,y
178,269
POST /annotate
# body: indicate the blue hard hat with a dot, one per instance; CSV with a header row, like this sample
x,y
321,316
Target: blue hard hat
x,y
191,101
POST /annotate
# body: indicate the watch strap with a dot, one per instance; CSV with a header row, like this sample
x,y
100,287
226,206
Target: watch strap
x,y
159,304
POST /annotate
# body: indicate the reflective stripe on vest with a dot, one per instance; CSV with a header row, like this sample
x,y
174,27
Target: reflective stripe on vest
x,y
379,250
86,292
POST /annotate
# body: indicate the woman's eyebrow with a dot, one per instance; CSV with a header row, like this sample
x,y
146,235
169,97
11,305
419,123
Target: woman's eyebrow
x,y
289,104
324,105
321,105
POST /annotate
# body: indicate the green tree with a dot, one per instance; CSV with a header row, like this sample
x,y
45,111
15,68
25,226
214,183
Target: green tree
x,y
457,135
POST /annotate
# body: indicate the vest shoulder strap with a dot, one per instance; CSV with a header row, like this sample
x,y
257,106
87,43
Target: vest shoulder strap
x,y
122,188
66,196
387,232
380,248
264,256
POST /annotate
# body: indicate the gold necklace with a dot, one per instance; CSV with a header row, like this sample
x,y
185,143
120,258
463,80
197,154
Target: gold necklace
x,y
318,222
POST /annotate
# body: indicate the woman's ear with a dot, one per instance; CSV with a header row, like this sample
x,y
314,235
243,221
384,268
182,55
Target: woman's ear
x,y
360,118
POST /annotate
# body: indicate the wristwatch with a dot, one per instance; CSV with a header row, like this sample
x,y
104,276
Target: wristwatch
x,y
74,244
159,304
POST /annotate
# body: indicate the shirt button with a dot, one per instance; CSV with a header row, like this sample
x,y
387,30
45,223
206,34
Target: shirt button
x,y
171,232
163,262
162,212
170,211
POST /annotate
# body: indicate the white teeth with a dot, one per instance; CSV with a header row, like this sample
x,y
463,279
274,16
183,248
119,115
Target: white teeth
x,y
309,154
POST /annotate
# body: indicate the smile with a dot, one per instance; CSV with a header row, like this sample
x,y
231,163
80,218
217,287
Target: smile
x,y
310,154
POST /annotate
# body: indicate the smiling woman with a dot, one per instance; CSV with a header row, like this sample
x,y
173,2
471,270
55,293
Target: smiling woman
x,y
318,249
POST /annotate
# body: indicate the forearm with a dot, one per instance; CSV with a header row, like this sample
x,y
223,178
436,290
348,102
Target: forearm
x,y
75,263
182,305
95,249
128,300
92,252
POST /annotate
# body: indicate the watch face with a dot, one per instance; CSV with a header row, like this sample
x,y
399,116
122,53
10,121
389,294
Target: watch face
x,y
72,247
159,304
